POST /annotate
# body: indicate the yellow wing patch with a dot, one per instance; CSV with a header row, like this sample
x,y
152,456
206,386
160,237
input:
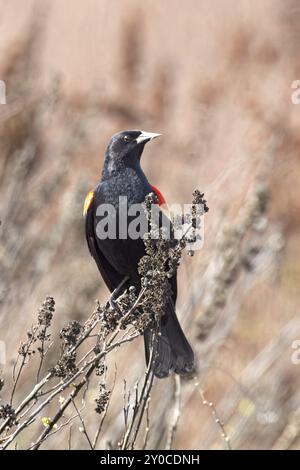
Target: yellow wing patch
x,y
88,201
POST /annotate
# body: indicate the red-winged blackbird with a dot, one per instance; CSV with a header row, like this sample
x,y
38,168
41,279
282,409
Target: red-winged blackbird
x,y
118,258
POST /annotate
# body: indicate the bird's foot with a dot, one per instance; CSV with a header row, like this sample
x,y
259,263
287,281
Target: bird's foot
x,y
115,293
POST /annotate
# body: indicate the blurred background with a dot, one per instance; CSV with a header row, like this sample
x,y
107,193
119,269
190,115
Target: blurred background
x,y
214,77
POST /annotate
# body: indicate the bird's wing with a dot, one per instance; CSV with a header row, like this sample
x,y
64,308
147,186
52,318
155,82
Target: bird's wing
x,y
116,258
110,276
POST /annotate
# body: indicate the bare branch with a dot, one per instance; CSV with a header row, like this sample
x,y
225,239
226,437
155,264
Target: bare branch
x,y
176,413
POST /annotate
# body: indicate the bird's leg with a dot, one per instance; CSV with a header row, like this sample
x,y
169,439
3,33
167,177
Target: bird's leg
x,y
116,292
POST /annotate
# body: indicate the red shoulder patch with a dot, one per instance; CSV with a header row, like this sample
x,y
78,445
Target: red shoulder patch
x,y
88,201
161,199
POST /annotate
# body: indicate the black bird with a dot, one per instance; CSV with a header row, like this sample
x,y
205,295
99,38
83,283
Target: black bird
x,y
118,258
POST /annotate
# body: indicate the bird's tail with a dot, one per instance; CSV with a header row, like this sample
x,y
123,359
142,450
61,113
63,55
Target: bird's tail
x,y
173,351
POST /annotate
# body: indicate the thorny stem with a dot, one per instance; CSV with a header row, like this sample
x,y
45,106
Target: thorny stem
x,y
58,428
83,425
70,438
216,417
143,407
16,379
176,413
147,429
64,406
140,404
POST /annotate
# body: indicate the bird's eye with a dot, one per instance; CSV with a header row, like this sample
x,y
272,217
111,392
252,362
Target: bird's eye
x,y
126,138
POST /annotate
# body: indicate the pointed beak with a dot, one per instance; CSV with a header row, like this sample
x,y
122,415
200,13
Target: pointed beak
x,y
146,137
